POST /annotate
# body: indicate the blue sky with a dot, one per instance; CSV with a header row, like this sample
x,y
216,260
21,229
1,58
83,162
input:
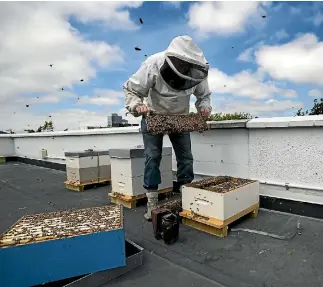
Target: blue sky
x,y
270,66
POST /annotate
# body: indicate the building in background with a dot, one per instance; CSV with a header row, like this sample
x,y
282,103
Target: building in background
x,y
114,120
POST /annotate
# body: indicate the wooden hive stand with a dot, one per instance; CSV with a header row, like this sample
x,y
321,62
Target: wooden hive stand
x,y
215,226
130,201
77,186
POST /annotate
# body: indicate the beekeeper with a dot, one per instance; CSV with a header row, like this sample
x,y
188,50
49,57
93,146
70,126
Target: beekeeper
x,y
164,84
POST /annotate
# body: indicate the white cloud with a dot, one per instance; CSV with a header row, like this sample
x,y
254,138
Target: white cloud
x,y
254,107
51,98
110,14
225,18
245,84
19,118
173,4
294,10
246,55
315,93
318,19
298,61
103,97
280,35
257,108
37,34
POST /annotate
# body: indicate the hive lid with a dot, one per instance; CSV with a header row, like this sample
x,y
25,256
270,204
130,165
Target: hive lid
x,y
103,152
63,224
134,152
127,153
86,153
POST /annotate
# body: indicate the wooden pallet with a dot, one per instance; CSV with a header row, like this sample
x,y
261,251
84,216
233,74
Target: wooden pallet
x,y
129,201
215,226
76,186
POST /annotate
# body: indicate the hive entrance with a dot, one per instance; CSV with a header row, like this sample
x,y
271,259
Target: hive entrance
x,y
165,124
220,184
55,225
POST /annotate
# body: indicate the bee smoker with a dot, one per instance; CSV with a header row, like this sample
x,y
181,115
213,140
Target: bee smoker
x,y
165,225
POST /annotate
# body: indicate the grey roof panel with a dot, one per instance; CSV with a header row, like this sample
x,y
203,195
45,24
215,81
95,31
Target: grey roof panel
x,y
135,152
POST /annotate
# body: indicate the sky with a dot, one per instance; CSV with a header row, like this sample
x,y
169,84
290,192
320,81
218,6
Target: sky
x,y
265,57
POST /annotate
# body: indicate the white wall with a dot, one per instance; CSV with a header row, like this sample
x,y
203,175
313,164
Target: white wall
x,y
275,151
288,151
221,152
287,155
56,146
7,147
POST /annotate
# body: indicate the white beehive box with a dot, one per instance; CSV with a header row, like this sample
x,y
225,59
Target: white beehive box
x,y
220,205
104,163
83,159
82,167
127,170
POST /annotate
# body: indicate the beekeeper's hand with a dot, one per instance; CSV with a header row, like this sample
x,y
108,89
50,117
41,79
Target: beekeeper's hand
x,y
205,112
142,110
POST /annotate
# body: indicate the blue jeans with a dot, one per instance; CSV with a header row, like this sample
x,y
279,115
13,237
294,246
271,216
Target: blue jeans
x,y
153,145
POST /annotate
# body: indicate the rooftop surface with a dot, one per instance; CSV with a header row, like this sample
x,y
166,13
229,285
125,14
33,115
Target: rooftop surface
x,y
197,259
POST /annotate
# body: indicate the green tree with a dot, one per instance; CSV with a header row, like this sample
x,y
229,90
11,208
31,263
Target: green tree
x,y
317,109
48,126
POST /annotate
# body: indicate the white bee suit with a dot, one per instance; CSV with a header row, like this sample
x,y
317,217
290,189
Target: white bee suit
x,y
166,80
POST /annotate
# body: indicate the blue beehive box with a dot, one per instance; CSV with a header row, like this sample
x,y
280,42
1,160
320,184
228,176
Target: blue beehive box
x,y
47,247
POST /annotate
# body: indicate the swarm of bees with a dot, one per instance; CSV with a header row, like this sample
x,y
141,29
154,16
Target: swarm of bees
x,y
166,124
174,206
219,184
61,224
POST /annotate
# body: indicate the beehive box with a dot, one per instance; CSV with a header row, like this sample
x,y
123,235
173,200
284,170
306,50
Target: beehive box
x,y
82,167
47,247
104,165
88,166
220,197
127,170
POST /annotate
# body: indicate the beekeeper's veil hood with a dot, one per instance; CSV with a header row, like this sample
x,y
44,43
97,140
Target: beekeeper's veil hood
x,y
185,65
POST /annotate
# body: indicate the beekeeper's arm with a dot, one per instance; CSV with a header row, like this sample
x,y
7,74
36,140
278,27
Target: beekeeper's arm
x,y
203,97
137,88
